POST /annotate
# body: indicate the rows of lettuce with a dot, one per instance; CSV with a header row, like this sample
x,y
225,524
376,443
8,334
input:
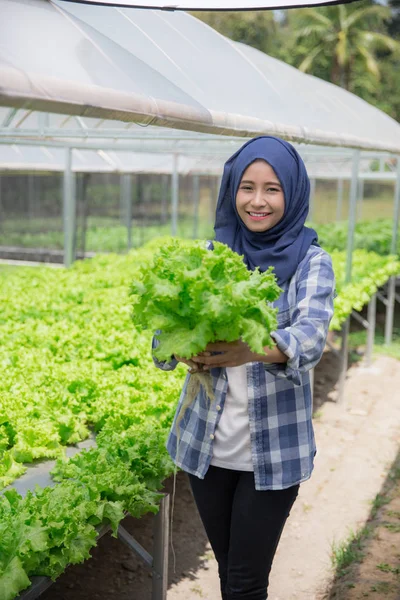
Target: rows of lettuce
x,y
72,361
374,236
104,236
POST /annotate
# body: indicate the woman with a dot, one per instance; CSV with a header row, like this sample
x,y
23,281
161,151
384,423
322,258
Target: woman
x,y
247,454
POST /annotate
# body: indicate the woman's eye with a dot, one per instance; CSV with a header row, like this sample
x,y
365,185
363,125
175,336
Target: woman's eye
x,y
247,188
273,189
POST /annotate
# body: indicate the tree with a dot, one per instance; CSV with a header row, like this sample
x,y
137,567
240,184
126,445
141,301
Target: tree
x,y
343,39
394,23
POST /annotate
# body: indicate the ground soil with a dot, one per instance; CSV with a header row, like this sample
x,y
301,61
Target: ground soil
x,y
358,442
377,573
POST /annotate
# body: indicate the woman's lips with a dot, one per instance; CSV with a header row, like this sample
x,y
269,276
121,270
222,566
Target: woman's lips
x,y
258,216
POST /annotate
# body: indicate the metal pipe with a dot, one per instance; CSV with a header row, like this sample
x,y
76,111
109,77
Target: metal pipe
x,y
214,192
174,196
382,298
164,198
339,203
126,206
360,319
350,247
352,214
130,541
391,291
196,202
69,209
344,359
1,203
121,200
31,196
393,250
360,198
371,330
160,551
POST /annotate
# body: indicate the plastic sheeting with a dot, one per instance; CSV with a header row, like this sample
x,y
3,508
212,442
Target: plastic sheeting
x,y
29,159
213,4
41,159
170,69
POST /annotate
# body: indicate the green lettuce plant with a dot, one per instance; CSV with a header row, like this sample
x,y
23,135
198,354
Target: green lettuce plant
x,y
194,296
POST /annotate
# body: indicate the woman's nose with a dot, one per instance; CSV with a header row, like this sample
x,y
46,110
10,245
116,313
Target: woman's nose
x,y
258,199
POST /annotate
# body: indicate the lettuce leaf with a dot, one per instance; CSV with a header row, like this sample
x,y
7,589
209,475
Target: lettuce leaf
x,y
195,296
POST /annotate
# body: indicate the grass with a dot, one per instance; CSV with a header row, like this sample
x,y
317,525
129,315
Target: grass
x,y
388,569
346,555
349,551
393,527
359,338
382,587
379,501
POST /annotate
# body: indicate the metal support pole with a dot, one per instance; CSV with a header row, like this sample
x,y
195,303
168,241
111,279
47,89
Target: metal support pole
x,y
84,210
31,196
371,330
147,198
69,209
360,198
121,201
352,214
174,196
350,246
79,187
126,206
344,350
393,250
215,184
312,199
339,204
391,293
130,541
164,198
1,204
160,551
196,201
396,211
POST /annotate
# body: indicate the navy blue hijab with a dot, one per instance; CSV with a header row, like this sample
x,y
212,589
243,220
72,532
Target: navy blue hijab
x,y
286,243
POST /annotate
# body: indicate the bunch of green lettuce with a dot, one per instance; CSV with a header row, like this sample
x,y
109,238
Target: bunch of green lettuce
x,y
195,296
369,272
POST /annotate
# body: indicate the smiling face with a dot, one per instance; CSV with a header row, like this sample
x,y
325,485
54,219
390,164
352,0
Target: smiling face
x,y
260,201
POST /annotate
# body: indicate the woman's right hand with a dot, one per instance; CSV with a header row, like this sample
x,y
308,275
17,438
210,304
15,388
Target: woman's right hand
x,y
193,366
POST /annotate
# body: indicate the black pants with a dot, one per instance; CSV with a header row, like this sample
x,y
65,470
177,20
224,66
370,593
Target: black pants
x,y
244,526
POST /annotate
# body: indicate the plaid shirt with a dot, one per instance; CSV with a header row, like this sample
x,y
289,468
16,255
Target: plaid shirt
x,y
279,395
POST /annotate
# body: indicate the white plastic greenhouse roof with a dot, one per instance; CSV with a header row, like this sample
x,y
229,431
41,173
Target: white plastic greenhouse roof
x,y
29,159
41,159
170,69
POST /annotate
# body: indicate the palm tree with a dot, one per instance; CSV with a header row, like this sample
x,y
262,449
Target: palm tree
x,y
344,36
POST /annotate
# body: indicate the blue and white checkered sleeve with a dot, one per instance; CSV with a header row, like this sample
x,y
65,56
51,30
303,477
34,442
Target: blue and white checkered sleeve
x,y
304,340
165,365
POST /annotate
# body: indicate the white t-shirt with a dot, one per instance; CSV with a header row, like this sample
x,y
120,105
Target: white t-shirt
x,y
231,446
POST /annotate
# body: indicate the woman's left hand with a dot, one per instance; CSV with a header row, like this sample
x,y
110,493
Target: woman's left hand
x,y
233,354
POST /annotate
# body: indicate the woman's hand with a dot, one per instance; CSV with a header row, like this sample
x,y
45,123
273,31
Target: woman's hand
x,y
194,367
233,354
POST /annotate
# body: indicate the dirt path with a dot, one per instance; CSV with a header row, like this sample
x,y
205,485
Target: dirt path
x,y
357,443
